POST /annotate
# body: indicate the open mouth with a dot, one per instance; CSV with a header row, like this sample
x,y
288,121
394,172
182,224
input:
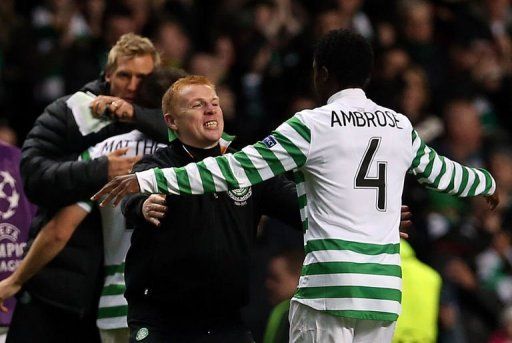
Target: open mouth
x,y
212,124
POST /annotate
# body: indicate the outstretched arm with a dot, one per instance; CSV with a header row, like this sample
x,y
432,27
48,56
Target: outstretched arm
x,y
444,175
48,243
149,121
285,149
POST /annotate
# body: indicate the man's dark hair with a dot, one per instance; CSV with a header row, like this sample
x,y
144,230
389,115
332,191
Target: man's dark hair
x,y
154,86
347,56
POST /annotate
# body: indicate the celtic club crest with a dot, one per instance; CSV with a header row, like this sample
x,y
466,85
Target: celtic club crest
x,y
240,195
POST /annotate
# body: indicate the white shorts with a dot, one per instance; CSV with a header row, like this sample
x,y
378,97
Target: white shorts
x,y
3,333
308,325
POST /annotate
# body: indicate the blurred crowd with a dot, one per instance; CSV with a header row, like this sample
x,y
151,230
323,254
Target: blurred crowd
x,y
447,65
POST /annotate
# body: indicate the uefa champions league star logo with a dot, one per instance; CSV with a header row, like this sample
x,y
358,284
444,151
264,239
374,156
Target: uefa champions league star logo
x,y
9,197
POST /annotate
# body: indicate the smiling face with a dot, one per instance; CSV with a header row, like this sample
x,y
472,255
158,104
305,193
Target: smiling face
x,y
196,116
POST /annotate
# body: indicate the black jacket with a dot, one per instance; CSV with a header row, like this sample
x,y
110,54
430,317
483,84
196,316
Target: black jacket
x,y
194,268
54,178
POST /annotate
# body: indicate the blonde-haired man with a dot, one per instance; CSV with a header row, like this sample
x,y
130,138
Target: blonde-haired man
x,y
59,303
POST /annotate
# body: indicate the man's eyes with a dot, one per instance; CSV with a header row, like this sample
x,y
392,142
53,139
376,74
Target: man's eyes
x,y
123,75
203,103
129,75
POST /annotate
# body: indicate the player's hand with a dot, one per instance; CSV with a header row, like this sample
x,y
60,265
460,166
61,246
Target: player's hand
x,y
405,221
8,288
120,165
119,108
493,200
117,189
154,209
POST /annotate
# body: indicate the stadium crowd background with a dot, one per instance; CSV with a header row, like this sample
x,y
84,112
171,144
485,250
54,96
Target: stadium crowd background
x,y
446,64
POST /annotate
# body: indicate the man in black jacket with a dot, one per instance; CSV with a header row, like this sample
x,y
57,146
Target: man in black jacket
x,y
188,278
59,303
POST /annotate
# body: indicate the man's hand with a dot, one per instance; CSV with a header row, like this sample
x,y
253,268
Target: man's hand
x,y
458,272
154,209
117,189
8,288
493,200
119,109
405,221
119,165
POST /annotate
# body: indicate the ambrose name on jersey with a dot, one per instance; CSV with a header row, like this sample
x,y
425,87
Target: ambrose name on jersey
x,y
365,119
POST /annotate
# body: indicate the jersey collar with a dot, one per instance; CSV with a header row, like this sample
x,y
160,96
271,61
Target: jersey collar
x,y
355,93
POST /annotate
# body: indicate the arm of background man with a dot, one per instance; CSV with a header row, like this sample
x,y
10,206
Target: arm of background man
x,y
148,120
48,243
444,175
151,123
285,149
48,166
60,183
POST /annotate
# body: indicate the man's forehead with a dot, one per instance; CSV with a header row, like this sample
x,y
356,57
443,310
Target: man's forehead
x,y
191,92
143,64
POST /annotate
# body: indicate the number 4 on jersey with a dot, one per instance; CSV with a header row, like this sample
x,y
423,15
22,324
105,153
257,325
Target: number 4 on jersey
x,y
362,179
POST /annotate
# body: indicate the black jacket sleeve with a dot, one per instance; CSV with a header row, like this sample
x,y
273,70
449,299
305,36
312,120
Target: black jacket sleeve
x,y
51,173
279,201
151,123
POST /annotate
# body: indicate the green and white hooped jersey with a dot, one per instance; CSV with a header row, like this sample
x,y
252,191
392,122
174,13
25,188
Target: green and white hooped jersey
x,y
349,158
113,307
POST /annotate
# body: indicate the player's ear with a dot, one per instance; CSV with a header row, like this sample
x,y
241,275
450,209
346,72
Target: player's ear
x,y
324,74
107,74
170,121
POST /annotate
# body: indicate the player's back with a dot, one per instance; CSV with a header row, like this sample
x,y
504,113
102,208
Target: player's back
x,y
353,180
355,170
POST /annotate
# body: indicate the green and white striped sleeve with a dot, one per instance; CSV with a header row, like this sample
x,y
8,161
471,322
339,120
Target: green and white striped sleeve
x,y
442,174
284,149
